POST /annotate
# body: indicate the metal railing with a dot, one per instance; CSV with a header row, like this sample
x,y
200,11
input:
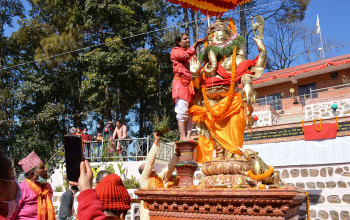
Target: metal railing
x,y
133,149
165,151
130,149
263,101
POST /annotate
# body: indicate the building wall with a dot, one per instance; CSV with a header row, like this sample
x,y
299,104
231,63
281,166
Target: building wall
x,y
322,81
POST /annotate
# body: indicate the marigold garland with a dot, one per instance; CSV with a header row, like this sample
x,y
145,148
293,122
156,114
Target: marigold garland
x,y
336,119
210,7
231,90
261,176
302,122
308,206
318,129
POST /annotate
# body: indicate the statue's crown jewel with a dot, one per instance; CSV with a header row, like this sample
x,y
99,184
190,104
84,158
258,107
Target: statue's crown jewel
x,y
217,26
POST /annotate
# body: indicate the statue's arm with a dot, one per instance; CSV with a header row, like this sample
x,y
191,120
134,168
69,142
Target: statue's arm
x,y
259,67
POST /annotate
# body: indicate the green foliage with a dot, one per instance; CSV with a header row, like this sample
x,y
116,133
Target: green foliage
x,y
110,168
221,52
121,169
162,124
131,183
59,188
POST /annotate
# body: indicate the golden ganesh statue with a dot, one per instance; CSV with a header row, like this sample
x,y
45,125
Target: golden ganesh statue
x,y
220,112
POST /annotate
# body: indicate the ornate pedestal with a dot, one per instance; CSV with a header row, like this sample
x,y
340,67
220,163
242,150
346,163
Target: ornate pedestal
x,y
186,166
227,204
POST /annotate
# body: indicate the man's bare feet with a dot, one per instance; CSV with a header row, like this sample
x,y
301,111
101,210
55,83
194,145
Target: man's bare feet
x,y
185,139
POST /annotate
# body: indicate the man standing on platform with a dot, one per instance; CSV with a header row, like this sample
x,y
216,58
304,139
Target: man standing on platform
x,y
120,132
183,90
36,201
149,178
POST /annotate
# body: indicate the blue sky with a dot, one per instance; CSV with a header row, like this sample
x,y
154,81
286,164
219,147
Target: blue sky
x,y
334,20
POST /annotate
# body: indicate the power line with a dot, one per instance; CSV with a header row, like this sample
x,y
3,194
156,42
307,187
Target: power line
x,y
136,35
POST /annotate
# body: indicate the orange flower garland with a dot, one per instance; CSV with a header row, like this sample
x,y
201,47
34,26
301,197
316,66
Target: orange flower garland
x,y
336,119
318,129
231,90
308,206
261,176
210,7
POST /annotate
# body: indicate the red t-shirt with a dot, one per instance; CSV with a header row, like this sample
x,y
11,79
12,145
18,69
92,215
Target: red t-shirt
x,y
86,137
180,57
90,206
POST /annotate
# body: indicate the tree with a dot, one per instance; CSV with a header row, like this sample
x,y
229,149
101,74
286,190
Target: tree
x,y
292,43
284,44
284,11
8,79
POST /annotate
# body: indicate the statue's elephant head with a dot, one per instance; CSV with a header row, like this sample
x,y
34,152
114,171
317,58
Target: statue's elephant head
x,y
214,38
248,154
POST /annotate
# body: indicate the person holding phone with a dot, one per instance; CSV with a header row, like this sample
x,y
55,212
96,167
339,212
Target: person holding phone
x,y
36,201
111,190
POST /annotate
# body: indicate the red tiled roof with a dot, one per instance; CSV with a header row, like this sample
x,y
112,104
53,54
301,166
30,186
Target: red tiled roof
x,y
308,67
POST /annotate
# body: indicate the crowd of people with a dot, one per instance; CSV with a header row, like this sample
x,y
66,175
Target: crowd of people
x,y
101,133
32,198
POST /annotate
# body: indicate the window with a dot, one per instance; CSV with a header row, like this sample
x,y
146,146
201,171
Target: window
x,y
275,101
304,92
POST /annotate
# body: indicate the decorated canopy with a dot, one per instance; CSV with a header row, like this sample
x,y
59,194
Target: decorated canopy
x,y
210,7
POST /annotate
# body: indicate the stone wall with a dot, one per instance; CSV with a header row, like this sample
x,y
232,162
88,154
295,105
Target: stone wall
x,y
323,110
266,116
328,187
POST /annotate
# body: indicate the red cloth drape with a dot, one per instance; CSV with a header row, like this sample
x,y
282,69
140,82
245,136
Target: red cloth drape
x,y
329,130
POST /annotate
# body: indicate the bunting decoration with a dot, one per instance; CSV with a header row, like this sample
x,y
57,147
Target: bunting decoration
x,y
210,7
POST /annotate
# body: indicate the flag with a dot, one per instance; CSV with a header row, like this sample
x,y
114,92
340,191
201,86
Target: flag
x,y
318,26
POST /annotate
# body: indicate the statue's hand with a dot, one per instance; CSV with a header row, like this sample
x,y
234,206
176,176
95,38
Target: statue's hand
x,y
249,121
195,67
248,94
259,43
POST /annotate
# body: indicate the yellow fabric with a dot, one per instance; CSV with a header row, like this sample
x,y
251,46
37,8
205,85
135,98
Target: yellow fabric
x,y
45,207
227,129
155,181
205,149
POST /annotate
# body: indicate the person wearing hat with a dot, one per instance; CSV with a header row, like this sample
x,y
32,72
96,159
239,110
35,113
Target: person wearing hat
x,y
109,200
36,201
114,197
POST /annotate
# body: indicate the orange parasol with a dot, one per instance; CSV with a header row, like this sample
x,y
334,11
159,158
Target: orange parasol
x,y
210,7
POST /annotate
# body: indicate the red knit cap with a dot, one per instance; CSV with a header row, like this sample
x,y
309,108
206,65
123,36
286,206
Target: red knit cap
x,y
113,194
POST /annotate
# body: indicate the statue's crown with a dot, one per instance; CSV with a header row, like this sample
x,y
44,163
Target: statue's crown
x,y
217,26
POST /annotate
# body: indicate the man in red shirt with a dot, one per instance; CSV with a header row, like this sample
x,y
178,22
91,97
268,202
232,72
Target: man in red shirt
x,y
86,138
183,90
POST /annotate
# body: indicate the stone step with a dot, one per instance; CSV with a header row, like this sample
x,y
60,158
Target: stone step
x,y
290,119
